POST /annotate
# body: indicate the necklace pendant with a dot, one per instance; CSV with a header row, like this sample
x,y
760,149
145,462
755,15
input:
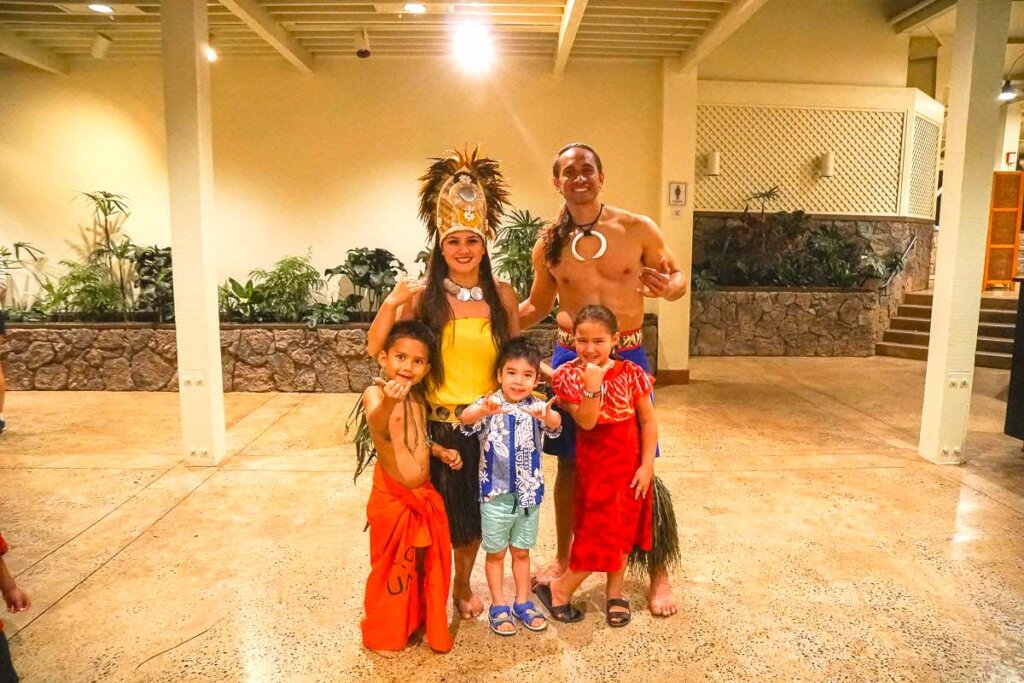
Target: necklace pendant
x,y
463,294
476,294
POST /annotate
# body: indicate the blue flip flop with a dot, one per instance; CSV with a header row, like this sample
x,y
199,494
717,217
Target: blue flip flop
x,y
526,612
498,615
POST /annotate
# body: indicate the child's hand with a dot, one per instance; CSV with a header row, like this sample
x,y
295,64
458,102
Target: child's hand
x,y
593,375
449,456
393,389
17,600
540,411
492,404
642,480
405,289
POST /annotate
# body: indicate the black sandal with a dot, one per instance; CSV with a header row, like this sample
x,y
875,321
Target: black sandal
x,y
618,619
567,614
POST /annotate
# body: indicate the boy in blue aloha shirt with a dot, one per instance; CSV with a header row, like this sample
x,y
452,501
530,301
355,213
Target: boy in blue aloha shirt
x,y
509,424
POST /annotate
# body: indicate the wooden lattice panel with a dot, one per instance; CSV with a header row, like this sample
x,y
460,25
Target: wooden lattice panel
x,y
924,168
1003,229
763,147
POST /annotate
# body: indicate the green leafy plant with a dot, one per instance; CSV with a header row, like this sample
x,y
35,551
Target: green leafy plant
x,y
156,284
288,289
107,246
514,249
31,259
240,302
421,259
332,313
84,290
372,274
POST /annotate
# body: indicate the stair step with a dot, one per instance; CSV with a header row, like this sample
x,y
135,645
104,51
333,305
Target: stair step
x,y
899,323
914,311
901,350
984,359
919,338
918,299
997,316
1003,330
998,304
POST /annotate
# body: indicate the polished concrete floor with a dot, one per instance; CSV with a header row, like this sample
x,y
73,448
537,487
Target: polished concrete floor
x,y
817,545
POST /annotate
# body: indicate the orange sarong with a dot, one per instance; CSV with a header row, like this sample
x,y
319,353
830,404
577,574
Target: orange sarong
x,y
398,600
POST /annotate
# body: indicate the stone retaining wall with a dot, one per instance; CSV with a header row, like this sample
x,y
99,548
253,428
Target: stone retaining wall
x,y
764,322
126,357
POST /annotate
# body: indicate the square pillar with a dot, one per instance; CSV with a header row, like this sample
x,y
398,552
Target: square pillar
x,y
678,165
979,43
186,74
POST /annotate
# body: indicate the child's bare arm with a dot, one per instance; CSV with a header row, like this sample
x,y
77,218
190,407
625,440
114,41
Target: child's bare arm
x,y
380,400
16,599
648,445
478,411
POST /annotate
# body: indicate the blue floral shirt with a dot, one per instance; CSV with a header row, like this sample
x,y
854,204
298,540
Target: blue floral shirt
x,y
510,452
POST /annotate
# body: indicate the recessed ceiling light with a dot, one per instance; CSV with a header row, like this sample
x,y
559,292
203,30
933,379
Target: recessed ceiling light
x,y
415,7
473,48
102,9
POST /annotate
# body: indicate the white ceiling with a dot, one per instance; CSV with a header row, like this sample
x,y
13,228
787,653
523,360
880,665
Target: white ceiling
x,y
643,29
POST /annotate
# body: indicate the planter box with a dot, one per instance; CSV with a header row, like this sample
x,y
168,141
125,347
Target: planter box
x,y
787,322
264,357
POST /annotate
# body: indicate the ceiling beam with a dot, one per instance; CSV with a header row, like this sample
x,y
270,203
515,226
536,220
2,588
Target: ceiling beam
x,y
726,25
13,45
920,13
257,18
572,15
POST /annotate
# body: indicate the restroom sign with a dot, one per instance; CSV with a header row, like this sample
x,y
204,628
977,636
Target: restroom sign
x,y
677,194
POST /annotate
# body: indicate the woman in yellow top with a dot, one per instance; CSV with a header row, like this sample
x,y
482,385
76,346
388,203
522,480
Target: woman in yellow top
x,y
461,201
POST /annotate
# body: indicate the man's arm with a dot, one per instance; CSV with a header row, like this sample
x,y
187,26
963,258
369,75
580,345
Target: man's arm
x,y
542,295
661,276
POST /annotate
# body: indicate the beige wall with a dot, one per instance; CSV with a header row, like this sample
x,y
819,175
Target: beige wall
x,y
814,41
329,160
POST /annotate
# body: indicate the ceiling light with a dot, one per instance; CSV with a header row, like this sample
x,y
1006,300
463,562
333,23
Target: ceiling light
x,y
415,8
473,48
102,9
1008,92
210,50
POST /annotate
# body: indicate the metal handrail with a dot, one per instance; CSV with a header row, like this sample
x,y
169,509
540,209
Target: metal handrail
x,y
903,260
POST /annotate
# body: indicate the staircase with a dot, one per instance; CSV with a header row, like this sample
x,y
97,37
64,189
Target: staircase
x,y
907,336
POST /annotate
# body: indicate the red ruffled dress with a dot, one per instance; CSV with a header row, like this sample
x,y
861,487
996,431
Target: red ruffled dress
x,y
610,521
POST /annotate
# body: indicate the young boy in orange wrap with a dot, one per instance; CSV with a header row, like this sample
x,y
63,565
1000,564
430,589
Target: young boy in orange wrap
x,y
410,548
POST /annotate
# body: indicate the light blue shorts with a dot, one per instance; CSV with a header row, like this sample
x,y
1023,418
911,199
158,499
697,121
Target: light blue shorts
x,y
504,523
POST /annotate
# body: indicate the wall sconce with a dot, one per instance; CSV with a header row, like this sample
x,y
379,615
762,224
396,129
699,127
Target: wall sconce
x,y
101,45
826,165
713,164
211,50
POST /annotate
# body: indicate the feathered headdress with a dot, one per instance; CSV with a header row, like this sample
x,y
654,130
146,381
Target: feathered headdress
x,y
462,191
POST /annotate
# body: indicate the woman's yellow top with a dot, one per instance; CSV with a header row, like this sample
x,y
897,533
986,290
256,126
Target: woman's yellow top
x,y
468,354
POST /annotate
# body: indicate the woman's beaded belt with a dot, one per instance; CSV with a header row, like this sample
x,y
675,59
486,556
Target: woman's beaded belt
x,y
445,413
627,340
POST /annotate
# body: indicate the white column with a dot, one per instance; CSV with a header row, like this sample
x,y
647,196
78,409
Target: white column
x,y
190,175
1010,120
979,43
678,165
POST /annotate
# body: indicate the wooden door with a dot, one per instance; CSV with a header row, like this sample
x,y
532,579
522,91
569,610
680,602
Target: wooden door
x,y
1004,220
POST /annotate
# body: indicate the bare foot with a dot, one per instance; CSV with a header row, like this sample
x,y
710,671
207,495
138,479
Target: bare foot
x,y
551,572
660,598
387,654
467,603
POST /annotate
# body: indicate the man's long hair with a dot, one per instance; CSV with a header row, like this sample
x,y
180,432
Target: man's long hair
x,y
556,233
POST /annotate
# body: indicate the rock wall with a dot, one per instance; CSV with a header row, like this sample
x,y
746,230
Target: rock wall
x,y
118,357
764,322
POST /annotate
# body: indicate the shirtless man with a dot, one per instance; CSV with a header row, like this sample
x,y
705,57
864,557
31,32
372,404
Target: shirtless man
x,y
596,254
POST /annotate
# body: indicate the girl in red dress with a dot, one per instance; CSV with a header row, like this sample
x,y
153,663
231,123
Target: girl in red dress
x,y
610,401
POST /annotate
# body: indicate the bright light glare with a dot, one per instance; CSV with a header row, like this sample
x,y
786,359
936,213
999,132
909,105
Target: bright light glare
x,y
211,54
415,7
473,48
102,9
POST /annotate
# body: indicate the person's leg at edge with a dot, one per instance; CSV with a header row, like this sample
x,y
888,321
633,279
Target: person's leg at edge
x,y
565,494
466,601
521,574
494,568
565,586
3,391
613,586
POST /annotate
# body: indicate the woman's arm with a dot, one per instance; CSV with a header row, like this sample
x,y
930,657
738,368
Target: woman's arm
x,y
398,305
